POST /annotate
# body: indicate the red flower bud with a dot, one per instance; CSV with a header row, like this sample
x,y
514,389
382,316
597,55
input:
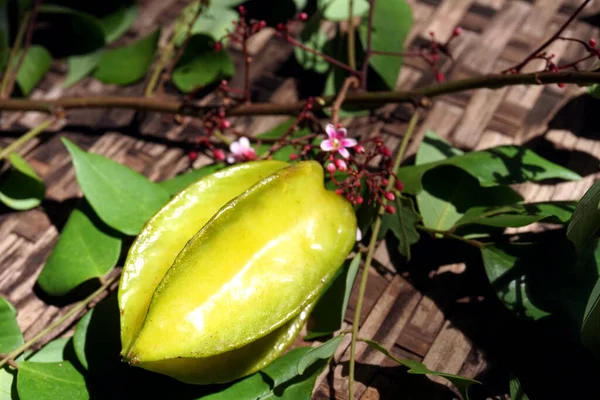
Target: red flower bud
x,y
303,16
224,124
457,31
359,200
242,10
341,164
339,191
439,76
399,185
385,151
390,196
218,46
281,27
293,156
330,168
219,154
592,42
390,209
193,156
561,85
359,149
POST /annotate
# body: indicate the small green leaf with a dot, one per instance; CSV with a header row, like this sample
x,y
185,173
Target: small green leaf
x,y
337,10
516,215
462,383
213,22
313,38
36,63
50,381
117,23
402,224
121,197
10,333
501,165
86,249
590,328
180,182
392,21
128,64
21,188
516,391
322,352
55,351
328,314
586,218
509,279
81,66
594,90
201,65
282,154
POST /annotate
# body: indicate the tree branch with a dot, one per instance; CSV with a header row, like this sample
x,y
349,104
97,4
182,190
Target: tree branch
x,y
368,100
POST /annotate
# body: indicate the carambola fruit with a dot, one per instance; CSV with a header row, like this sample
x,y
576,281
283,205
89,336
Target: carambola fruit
x,y
220,281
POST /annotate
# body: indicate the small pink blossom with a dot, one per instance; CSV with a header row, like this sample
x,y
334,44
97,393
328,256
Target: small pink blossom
x,y
241,151
337,141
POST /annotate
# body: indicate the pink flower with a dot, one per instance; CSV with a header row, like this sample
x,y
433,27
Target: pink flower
x,y
241,151
337,141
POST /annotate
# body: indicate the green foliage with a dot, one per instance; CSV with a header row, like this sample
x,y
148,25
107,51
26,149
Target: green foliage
x,y
55,351
415,367
392,21
516,391
180,182
81,66
501,165
313,38
128,64
322,352
337,10
507,271
117,23
121,197
282,154
201,65
403,225
590,328
517,215
586,218
328,314
86,249
10,333
21,188
50,381
213,22
36,63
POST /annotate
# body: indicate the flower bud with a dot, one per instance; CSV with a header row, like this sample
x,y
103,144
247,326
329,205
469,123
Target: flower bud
x,y
220,281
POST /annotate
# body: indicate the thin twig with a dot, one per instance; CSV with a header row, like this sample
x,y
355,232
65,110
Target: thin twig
x,y
368,51
337,104
368,100
350,37
552,38
372,243
450,235
325,57
73,311
11,72
26,137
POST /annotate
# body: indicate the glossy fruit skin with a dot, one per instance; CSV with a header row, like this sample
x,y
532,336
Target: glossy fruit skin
x,y
242,287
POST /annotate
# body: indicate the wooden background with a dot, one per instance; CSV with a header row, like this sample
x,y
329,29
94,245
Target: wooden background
x,y
435,312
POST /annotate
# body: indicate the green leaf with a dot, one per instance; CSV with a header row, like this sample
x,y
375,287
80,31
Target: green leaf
x,y
462,383
516,215
213,22
337,10
283,154
435,148
516,391
121,197
21,188
70,31
449,192
501,165
128,64
180,182
117,23
313,38
201,65
594,90
402,224
36,63
55,351
322,352
86,249
590,328
7,383
507,274
392,21
50,381
586,218
10,333
81,66
328,314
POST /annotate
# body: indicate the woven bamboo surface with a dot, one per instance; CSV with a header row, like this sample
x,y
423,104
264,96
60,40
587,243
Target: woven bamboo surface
x,y
439,311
